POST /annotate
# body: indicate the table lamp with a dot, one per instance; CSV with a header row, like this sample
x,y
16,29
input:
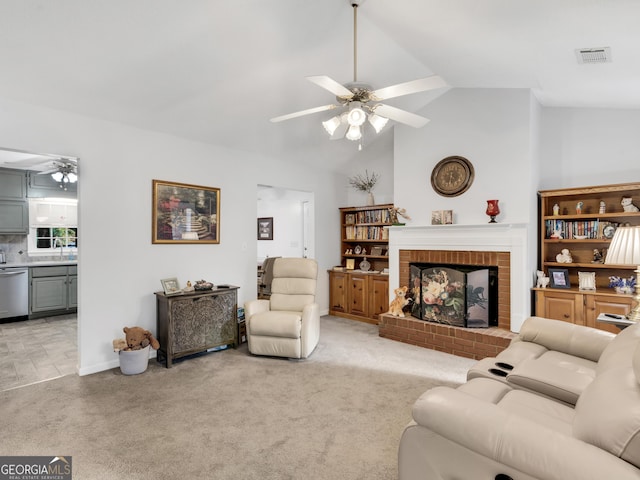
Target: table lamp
x,y
625,250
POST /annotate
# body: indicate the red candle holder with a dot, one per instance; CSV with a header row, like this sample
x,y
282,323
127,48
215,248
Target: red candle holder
x,y
492,210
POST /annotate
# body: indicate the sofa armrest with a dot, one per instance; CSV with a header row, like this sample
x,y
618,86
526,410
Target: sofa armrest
x,y
515,441
255,306
578,340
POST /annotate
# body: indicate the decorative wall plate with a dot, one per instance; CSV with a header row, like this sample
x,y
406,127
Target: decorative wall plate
x,y
357,250
608,231
452,176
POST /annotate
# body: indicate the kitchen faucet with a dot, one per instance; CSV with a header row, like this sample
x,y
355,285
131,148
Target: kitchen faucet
x,y
60,244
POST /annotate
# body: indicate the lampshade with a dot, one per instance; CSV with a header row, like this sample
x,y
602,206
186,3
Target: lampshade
x,y
354,133
356,116
377,122
625,250
625,247
332,124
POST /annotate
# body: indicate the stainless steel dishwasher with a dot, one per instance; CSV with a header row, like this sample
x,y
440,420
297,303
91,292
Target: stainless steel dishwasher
x,y
14,292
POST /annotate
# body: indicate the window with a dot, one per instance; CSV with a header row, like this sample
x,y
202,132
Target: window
x,y
56,237
53,226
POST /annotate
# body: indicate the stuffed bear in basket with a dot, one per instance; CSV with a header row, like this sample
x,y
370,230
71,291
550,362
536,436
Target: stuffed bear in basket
x,y
136,339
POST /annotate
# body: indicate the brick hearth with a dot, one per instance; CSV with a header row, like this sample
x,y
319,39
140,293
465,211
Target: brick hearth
x,y
476,343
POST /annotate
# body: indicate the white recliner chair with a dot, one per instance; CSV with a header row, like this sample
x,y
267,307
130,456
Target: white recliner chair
x,y
288,323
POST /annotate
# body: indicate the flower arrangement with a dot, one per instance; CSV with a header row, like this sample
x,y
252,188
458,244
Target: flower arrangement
x,y
622,285
364,183
393,215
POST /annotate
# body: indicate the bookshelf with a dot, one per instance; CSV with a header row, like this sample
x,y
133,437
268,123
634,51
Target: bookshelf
x,y
359,286
583,220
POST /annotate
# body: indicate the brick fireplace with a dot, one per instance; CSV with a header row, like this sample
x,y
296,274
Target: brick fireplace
x,y
501,245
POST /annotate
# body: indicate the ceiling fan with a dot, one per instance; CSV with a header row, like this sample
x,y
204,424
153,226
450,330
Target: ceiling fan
x,y
63,171
360,103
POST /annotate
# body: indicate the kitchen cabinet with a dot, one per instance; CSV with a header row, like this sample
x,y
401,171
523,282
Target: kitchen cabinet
x,y
196,322
358,295
53,290
14,210
39,186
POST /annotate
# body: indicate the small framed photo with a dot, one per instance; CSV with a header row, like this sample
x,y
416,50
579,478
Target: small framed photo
x,y
265,228
171,286
447,217
436,217
351,264
586,280
559,278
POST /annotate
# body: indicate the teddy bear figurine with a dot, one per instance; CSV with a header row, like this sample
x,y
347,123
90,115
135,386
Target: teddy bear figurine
x,y
398,303
137,338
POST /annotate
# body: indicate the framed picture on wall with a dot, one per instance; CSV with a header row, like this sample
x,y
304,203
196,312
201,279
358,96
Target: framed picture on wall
x,y
265,228
184,213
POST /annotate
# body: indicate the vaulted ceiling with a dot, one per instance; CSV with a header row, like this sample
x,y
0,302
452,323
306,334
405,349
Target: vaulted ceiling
x,y
216,71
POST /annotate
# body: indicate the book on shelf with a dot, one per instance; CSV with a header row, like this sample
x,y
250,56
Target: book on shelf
x,y
574,229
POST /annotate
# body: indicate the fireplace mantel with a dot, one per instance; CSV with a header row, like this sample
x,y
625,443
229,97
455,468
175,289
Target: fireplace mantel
x,y
512,238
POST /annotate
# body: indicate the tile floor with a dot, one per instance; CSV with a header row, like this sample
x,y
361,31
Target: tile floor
x,y
33,351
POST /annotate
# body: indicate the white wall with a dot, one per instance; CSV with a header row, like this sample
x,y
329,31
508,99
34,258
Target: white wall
x,y
491,128
376,157
119,268
589,146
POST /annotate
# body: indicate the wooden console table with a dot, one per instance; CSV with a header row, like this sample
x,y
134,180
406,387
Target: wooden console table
x,y
196,322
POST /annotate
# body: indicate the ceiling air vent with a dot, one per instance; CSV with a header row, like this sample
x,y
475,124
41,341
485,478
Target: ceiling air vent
x,y
594,55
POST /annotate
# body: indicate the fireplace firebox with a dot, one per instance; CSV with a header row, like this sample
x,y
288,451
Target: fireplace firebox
x,y
456,295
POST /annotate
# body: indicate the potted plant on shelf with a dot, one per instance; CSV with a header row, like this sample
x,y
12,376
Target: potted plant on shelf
x,y
365,184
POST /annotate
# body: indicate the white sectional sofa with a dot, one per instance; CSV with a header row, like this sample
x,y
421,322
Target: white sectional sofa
x,y
564,405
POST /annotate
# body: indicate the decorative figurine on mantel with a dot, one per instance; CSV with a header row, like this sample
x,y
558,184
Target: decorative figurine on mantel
x,y
556,210
564,256
393,215
628,206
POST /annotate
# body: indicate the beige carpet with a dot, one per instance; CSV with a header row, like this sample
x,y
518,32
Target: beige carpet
x,y
337,415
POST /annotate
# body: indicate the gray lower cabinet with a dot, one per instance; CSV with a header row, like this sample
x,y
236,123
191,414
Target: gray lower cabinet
x,y
196,322
53,290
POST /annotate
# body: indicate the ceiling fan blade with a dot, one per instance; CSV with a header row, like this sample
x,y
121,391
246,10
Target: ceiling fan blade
x,y
302,113
401,116
414,86
331,85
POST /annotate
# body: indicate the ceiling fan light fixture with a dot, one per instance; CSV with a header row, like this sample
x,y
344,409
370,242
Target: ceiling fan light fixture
x,y
377,122
332,124
354,133
356,115
73,178
57,176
